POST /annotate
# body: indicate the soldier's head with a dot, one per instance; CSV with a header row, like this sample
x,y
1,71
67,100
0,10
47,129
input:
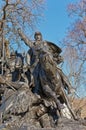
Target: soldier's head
x,y
13,54
38,36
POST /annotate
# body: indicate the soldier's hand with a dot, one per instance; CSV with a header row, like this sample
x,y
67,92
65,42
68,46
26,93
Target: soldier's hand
x,y
19,30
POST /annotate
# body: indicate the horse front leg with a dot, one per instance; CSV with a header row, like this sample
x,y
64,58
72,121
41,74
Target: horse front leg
x,y
50,93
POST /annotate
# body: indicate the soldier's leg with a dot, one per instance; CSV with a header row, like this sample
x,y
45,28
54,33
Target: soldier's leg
x,y
36,83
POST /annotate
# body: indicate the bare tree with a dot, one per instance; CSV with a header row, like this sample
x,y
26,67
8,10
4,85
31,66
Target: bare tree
x,y
75,42
14,14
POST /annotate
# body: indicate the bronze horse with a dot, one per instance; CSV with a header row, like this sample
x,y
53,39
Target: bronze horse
x,y
51,82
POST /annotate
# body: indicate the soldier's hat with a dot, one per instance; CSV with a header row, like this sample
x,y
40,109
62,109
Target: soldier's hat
x,y
37,33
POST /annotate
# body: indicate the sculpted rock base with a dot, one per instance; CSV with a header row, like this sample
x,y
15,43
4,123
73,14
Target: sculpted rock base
x,y
23,113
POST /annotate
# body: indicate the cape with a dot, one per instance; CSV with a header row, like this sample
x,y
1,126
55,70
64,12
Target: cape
x,y
53,48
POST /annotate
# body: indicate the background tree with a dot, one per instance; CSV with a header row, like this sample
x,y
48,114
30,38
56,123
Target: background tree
x,y
16,14
75,42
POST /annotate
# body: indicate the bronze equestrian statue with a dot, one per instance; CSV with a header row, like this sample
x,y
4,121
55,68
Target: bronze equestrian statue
x,y
43,58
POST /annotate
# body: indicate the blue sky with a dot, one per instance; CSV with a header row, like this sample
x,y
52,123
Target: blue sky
x,y
56,20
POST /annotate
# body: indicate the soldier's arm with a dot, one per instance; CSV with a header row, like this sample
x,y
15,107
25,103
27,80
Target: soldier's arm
x,y
25,39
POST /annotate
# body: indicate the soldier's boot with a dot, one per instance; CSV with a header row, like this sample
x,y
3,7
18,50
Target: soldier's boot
x,y
45,121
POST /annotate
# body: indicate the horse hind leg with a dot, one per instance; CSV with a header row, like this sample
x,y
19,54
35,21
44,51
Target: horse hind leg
x,y
64,96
